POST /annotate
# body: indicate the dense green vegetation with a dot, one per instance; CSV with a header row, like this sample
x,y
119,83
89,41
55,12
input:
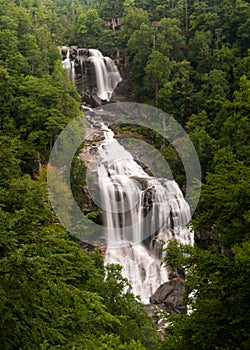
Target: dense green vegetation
x,y
190,58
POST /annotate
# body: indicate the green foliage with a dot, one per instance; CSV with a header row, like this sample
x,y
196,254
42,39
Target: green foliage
x,y
89,27
176,95
10,164
134,321
78,179
174,256
216,289
110,342
157,71
169,38
56,309
225,199
198,127
111,9
42,110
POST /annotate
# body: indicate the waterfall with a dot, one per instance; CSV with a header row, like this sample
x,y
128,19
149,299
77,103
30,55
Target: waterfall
x,y
139,211
107,74
66,62
69,65
82,65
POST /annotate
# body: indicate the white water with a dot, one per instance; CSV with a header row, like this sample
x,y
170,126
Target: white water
x,y
69,65
136,205
107,74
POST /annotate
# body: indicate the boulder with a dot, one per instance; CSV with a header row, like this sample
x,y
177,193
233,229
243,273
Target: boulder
x,y
95,136
169,297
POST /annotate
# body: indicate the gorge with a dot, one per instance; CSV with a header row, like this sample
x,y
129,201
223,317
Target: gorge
x,y
140,210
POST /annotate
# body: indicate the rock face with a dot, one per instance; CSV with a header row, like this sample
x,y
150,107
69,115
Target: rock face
x,y
204,238
169,297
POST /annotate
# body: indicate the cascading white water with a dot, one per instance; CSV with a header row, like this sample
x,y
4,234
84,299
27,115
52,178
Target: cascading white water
x,y
66,62
135,207
69,65
107,74
139,210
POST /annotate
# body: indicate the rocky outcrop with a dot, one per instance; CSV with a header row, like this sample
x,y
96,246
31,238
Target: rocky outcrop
x,y
169,297
204,238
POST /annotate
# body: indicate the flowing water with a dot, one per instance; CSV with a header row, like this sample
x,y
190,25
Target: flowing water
x,y
69,65
140,211
107,74
103,68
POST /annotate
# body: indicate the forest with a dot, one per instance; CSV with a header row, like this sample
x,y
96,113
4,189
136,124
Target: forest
x,y
189,58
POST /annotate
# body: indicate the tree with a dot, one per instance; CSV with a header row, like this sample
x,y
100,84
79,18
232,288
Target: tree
x,y
53,294
10,162
199,130
215,85
41,109
157,71
8,87
200,51
9,54
235,128
176,95
91,29
111,9
139,47
223,60
241,22
225,200
204,17
131,22
169,38
30,50
134,321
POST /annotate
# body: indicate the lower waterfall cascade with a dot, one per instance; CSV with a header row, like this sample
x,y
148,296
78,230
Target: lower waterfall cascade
x,y
139,212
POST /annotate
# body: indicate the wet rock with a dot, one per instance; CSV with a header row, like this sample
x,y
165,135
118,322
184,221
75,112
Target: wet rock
x,y
88,203
87,247
143,181
114,128
145,167
95,136
169,297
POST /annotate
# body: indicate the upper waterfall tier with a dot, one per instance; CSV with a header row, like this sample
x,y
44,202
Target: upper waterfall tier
x,y
107,74
93,73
